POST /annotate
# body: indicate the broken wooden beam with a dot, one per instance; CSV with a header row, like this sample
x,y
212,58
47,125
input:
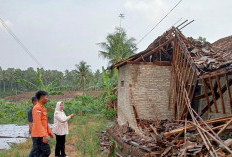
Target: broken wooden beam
x,y
224,127
173,132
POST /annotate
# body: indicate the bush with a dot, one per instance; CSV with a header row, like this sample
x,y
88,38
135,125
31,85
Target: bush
x,y
13,113
110,114
8,93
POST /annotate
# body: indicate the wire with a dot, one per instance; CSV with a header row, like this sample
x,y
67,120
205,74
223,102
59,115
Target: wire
x,y
20,43
177,22
159,22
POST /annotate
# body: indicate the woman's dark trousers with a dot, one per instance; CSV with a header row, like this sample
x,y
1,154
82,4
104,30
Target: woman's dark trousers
x,y
60,146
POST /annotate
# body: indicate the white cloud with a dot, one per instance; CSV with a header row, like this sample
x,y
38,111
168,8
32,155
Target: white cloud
x,y
149,10
7,23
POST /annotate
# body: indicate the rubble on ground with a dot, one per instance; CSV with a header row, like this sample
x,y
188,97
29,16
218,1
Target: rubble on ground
x,y
171,138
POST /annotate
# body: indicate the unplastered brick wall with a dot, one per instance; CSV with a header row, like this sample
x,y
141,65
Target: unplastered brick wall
x,y
146,87
125,110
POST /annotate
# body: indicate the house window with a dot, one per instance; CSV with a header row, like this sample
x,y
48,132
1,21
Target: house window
x,y
122,83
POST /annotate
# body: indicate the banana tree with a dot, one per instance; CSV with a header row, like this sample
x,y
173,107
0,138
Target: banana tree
x,y
52,87
110,87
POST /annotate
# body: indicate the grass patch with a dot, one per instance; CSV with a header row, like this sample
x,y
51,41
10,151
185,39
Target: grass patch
x,y
88,128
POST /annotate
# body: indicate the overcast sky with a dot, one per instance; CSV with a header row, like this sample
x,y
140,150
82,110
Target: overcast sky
x,y
61,33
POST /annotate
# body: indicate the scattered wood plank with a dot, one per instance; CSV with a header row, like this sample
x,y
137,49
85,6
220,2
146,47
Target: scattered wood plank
x,y
225,126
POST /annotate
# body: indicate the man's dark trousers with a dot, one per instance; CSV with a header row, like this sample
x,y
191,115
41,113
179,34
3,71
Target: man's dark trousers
x,y
40,149
32,150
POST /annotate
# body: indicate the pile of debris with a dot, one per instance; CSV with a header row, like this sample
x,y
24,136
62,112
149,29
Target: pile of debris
x,y
174,138
104,141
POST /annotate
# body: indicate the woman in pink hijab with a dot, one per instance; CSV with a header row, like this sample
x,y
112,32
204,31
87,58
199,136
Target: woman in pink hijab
x,y
60,128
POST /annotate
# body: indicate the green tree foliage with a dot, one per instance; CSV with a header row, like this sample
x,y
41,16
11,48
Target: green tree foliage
x,y
83,70
109,80
9,84
71,79
3,79
97,80
52,87
110,92
117,46
201,39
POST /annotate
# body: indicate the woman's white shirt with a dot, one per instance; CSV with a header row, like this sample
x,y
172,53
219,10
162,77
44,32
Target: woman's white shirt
x,y
60,123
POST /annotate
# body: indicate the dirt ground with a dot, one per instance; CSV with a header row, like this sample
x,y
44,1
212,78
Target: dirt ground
x,y
67,95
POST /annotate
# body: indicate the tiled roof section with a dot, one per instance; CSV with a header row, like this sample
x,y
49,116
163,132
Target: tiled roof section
x,y
209,58
224,43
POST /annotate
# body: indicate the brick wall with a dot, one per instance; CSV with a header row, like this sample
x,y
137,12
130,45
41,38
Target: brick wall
x,y
125,110
146,87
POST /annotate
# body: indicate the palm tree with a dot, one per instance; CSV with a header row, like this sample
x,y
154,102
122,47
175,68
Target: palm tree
x,y
82,70
117,46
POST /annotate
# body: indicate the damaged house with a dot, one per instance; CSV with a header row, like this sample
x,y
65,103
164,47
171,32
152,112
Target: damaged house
x,y
175,97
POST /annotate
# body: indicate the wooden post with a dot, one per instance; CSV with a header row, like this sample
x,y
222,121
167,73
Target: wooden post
x,y
221,94
206,94
228,91
213,94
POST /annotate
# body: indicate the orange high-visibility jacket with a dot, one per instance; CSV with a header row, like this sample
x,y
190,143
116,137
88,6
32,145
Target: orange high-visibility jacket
x,y
40,126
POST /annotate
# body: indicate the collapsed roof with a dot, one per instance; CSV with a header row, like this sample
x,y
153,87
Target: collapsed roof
x,y
206,57
196,66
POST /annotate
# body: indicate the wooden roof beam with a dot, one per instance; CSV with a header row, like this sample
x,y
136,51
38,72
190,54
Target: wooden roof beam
x,y
224,88
154,50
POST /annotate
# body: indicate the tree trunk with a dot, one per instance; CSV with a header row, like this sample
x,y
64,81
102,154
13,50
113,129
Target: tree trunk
x,y
83,80
4,86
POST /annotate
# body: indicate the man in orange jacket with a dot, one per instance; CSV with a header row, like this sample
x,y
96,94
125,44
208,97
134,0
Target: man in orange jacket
x,y
40,129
